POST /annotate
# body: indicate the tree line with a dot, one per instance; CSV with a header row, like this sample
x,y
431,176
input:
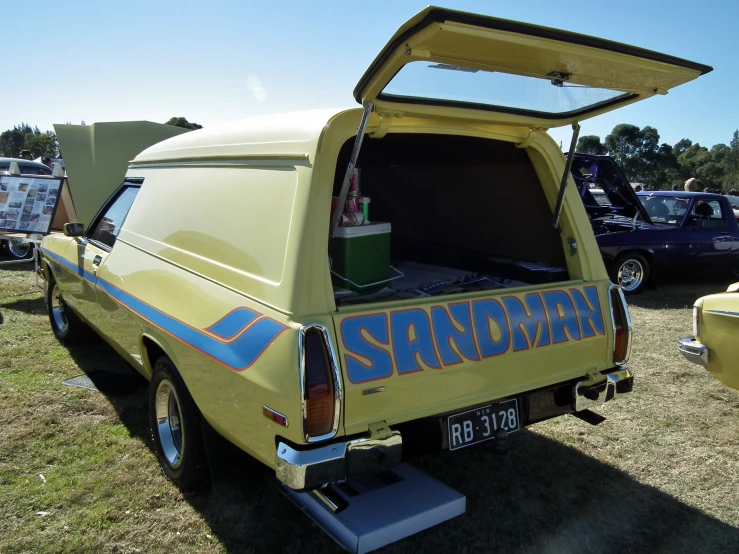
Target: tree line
x,y
44,143
663,166
637,150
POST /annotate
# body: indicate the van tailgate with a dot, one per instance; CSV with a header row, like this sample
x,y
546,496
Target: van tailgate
x,y
413,359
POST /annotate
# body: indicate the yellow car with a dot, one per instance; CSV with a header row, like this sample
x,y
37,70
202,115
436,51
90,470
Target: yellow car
x,y
335,291
714,341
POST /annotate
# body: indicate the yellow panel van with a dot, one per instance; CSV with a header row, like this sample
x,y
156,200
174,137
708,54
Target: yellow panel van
x,y
335,291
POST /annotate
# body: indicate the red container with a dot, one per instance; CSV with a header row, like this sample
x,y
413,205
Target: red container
x,y
334,203
354,184
351,204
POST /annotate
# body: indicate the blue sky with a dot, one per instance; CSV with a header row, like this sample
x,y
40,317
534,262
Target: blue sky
x,y
219,61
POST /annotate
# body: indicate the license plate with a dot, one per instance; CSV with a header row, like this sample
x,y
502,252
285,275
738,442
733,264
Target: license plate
x,y
480,424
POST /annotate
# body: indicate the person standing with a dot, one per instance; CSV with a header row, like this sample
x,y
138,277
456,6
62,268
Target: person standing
x,y
693,185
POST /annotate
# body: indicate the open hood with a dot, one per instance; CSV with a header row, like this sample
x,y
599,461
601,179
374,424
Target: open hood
x,y
603,173
96,157
459,64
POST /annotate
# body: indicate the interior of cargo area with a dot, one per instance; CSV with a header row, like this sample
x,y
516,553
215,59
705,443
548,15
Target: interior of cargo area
x,y
429,215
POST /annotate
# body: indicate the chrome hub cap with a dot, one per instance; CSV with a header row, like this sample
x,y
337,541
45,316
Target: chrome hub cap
x,y
19,248
169,423
57,309
630,275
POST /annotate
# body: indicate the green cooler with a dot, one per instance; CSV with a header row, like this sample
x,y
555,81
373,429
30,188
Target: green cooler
x,y
361,255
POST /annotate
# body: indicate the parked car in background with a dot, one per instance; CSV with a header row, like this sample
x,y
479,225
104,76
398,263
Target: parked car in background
x,y
713,343
17,248
644,235
26,167
734,201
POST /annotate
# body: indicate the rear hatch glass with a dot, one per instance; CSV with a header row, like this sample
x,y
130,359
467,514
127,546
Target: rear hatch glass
x,y
467,65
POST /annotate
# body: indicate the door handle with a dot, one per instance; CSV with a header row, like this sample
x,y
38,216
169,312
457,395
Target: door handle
x,y
97,261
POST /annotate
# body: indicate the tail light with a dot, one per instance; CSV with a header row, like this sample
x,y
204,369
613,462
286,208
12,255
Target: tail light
x,y
319,384
621,326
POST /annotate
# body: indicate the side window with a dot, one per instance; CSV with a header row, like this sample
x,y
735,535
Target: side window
x,y
707,214
106,228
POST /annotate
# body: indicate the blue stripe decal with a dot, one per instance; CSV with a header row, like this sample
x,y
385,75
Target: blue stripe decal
x,y
239,354
722,312
233,323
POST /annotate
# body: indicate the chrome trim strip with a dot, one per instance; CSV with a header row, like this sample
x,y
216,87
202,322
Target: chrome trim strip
x,y
374,390
287,423
627,320
269,159
723,312
338,389
694,351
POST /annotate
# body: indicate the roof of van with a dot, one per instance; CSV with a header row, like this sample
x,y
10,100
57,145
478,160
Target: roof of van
x,y
284,135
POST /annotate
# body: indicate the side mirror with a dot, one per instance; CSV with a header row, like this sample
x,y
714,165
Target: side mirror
x,y
74,229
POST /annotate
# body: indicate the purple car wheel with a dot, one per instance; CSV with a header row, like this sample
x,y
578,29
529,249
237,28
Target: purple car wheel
x,y
631,273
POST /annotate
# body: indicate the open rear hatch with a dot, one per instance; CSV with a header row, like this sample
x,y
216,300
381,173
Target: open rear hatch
x,y
466,206
508,72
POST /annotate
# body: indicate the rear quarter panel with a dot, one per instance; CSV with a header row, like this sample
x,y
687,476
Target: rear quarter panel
x,y
235,355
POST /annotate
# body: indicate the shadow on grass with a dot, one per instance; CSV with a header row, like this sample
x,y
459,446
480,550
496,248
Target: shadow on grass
x,y
542,496
125,388
33,306
679,293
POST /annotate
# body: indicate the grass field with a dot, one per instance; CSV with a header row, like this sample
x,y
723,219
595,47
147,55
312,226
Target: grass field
x,y
77,473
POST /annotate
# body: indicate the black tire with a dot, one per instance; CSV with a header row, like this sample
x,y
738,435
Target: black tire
x,y
176,428
18,249
65,324
631,272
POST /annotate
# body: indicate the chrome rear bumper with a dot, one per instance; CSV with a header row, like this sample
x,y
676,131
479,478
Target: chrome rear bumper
x,y
309,469
315,465
694,351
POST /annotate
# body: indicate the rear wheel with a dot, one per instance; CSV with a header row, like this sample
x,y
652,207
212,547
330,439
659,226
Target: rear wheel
x,y
631,272
176,428
65,324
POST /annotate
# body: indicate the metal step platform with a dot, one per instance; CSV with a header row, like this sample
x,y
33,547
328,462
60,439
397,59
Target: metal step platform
x,y
367,513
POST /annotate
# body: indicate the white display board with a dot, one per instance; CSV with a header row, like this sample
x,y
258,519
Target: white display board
x,y
28,203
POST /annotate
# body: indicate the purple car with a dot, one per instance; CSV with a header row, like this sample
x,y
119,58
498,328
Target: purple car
x,y
645,235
